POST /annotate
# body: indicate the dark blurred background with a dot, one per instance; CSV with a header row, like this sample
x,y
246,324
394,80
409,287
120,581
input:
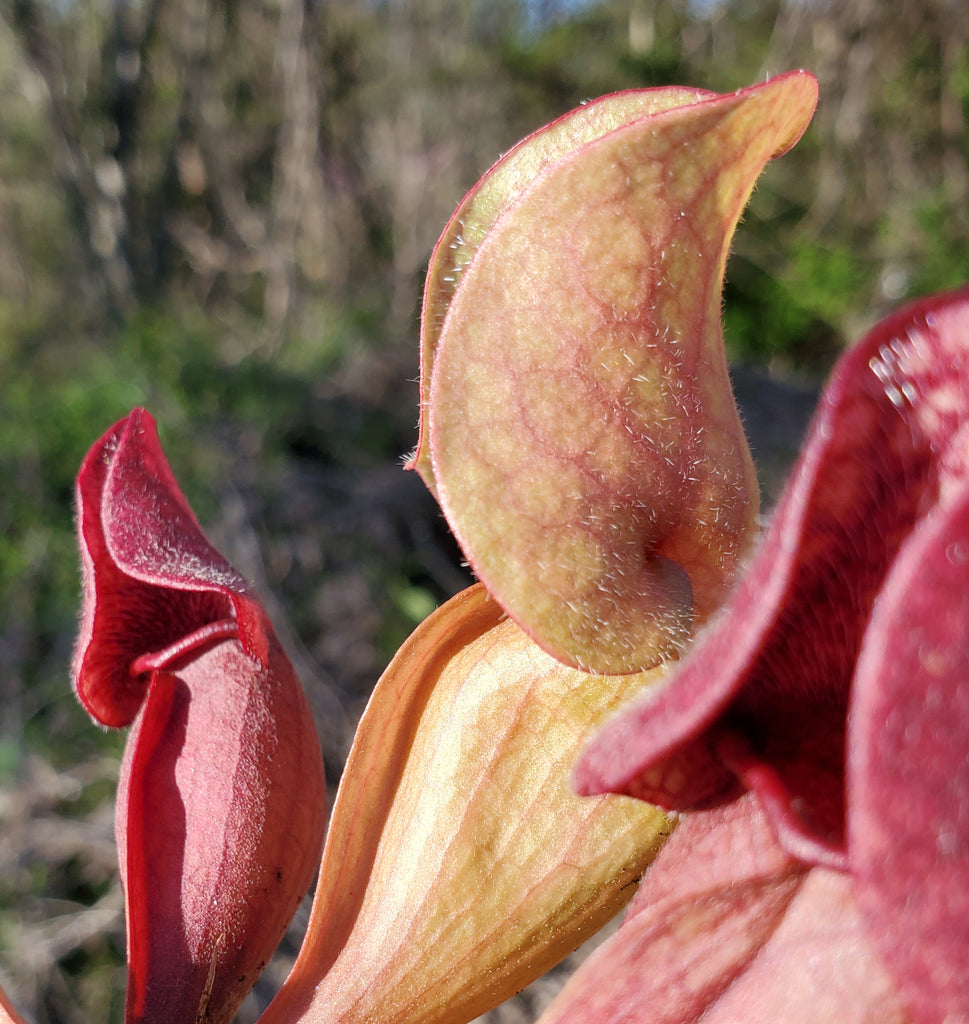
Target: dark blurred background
x,y
222,210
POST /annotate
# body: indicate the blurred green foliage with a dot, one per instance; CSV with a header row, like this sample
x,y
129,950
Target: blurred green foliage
x,y
221,210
